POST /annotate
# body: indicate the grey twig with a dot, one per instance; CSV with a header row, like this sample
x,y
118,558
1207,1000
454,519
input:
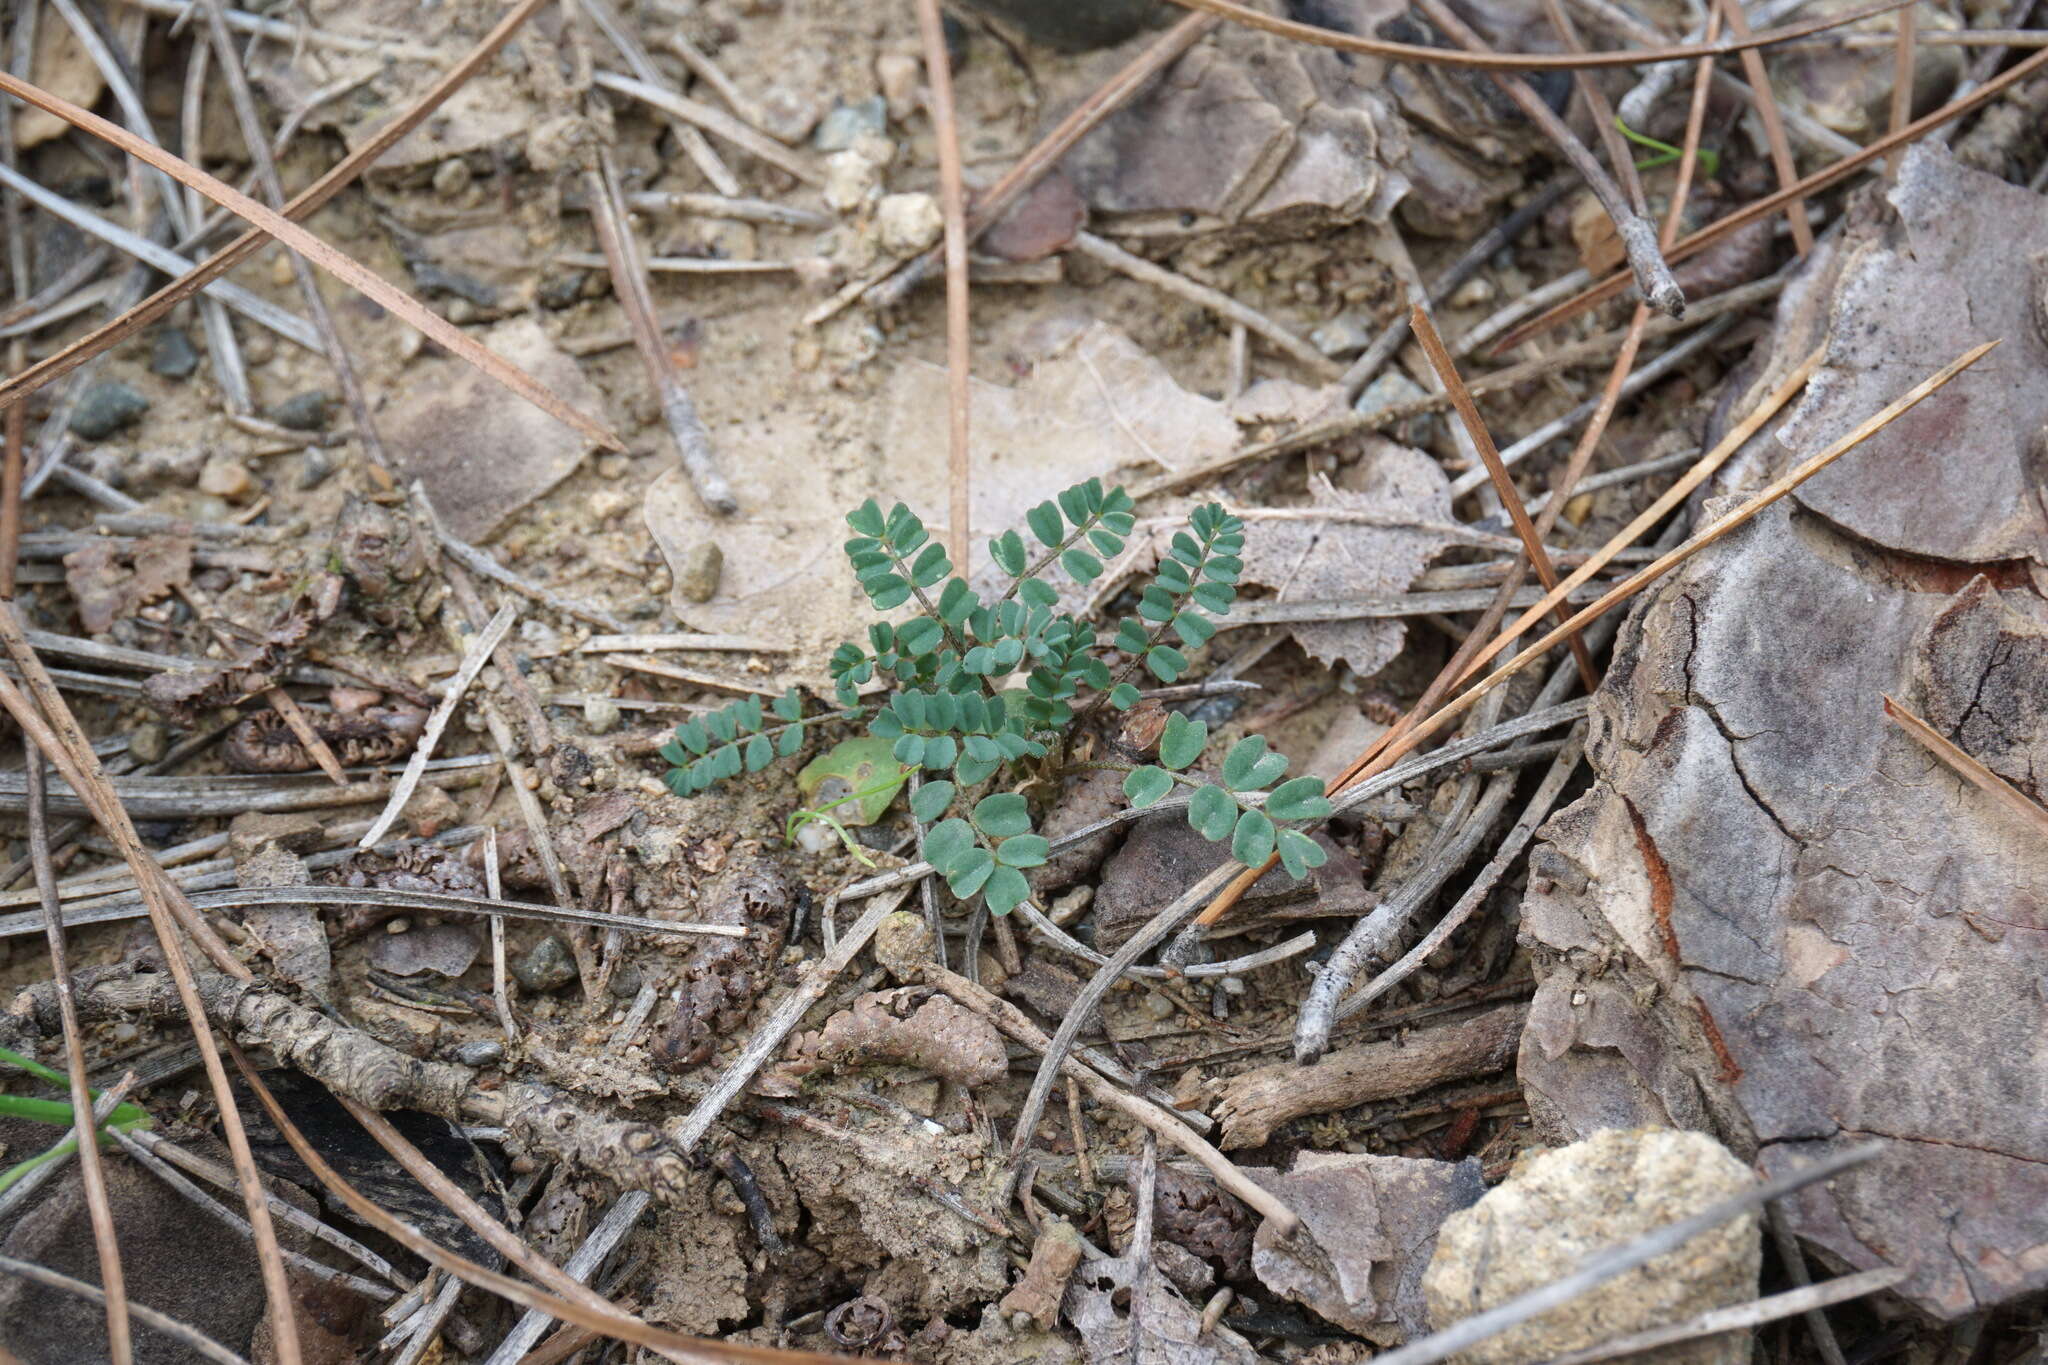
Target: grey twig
x,y
1638,234
1807,1299
610,1230
1469,823
1395,334
257,140
629,283
147,1316
479,561
1540,801
767,1038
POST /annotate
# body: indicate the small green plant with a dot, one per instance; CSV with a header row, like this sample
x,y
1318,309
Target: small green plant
x,y
983,695
1709,159
125,1117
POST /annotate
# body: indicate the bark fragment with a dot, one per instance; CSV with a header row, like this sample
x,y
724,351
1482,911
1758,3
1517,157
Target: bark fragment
x,y
1774,915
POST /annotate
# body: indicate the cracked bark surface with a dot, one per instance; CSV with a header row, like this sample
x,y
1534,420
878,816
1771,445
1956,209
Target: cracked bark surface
x,y
1774,915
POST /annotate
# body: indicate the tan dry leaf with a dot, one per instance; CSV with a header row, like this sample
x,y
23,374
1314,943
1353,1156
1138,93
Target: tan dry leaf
x,y
106,590
1319,561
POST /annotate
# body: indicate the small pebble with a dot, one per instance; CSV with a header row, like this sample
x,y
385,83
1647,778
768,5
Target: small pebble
x,y
561,289
838,129
451,177
1472,293
612,465
1339,336
898,74
1389,389
482,1052
309,411
600,715
172,355
854,177
625,983
149,743
259,347
547,966
281,269
1233,985
398,925
224,477
607,503
314,471
906,224
815,836
697,576
105,408
1157,1005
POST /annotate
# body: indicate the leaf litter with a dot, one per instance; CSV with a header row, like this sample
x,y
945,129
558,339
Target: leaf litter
x,y
856,1197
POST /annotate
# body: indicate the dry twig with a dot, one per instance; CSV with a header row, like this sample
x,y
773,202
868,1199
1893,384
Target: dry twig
x,y
213,267
1603,1266
94,1176
1740,218
480,647
1938,744
1510,496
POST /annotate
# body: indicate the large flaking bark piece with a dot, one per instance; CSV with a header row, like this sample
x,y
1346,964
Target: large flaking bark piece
x,y
1775,915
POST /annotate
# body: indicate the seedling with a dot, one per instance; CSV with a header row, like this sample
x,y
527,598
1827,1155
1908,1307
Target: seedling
x,y
984,695
1709,160
125,1117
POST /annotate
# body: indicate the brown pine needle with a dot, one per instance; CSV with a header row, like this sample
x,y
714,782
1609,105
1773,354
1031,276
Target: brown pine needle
x,y
168,911
1510,496
325,188
344,268
1774,122
953,203
1663,564
1524,61
1902,84
1769,204
608,1322
1408,733
92,1172
1938,744
1701,470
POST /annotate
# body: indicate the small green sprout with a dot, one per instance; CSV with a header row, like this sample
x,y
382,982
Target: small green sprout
x,y
1709,159
980,695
